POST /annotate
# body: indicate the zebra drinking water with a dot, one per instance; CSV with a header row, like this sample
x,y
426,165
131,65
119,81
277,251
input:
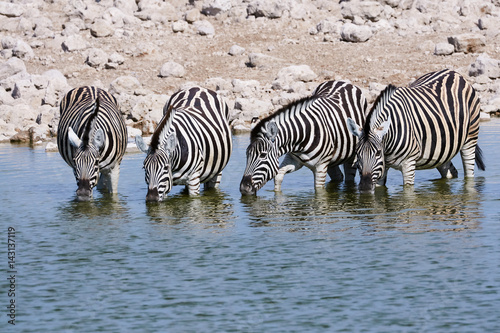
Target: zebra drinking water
x,y
421,126
190,146
92,138
311,132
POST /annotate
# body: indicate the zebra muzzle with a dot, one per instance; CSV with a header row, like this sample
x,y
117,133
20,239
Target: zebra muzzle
x,y
84,189
366,183
153,194
246,186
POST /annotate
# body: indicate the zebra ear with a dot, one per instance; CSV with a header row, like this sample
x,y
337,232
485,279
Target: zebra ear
x,y
73,138
354,128
139,142
98,139
272,130
383,128
170,143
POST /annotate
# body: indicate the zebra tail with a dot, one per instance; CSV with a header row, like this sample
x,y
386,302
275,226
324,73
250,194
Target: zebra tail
x,y
479,159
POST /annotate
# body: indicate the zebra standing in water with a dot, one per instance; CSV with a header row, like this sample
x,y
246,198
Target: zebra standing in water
x,y
191,145
421,126
311,132
92,138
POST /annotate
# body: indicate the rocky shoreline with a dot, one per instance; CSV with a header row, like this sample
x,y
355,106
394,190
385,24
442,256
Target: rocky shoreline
x,y
259,55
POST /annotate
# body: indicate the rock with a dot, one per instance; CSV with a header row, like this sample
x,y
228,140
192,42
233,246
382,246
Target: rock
x,y
288,75
11,9
355,33
444,49
116,58
96,58
269,9
101,28
51,147
74,43
260,60
468,43
245,88
214,7
367,10
11,67
8,42
180,26
204,28
245,109
124,85
192,15
23,51
484,65
330,25
236,50
172,69
57,86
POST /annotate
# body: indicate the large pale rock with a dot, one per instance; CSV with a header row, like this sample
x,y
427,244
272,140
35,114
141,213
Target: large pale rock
x,y
11,9
172,69
214,7
74,43
484,65
444,49
125,85
468,43
367,10
269,9
204,28
11,67
288,75
355,33
261,60
96,58
23,51
101,28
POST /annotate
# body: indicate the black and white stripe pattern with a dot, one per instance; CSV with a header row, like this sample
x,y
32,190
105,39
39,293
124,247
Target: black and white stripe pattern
x,y
191,145
92,138
421,126
311,132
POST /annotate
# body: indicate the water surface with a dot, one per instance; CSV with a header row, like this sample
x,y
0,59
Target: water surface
x,y
423,259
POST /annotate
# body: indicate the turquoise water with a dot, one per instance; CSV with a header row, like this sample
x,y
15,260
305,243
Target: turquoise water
x,y
403,260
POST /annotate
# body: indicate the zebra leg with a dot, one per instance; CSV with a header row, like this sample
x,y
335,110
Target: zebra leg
x,y
448,170
289,164
468,154
320,175
109,179
214,182
335,174
349,171
408,171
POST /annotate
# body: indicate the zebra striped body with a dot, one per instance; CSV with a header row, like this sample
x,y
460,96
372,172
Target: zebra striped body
x,y
191,145
92,138
311,132
421,126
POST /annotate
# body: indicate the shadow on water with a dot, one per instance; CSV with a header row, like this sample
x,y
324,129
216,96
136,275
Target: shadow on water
x,y
439,205
213,208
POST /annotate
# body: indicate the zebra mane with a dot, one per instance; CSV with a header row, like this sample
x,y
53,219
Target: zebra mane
x,y
162,128
90,124
261,124
378,107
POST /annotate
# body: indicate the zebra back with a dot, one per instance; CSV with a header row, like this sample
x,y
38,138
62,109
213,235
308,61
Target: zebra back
x,y
320,119
200,120
76,111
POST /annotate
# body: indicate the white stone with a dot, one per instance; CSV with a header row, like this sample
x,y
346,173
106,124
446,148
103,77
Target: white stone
x,y
172,69
214,7
74,43
11,67
96,58
11,9
355,33
236,50
468,43
101,28
124,85
444,49
204,28
484,65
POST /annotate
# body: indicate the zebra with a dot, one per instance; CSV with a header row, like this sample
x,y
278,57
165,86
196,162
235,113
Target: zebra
x,y
191,145
422,126
311,131
92,138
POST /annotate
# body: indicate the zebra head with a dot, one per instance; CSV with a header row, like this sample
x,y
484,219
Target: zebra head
x,y
86,160
370,158
158,167
262,159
